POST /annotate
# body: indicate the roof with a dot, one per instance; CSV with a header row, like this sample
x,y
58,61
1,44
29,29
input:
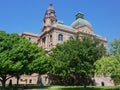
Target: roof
x,y
81,22
62,26
30,34
100,37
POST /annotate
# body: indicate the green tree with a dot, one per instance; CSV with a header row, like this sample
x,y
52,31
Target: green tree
x,y
109,66
115,46
115,50
16,53
75,58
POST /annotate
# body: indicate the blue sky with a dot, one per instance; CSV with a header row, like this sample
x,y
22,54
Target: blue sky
x,y
17,16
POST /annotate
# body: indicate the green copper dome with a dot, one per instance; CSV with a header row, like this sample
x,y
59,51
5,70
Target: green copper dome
x,y
80,21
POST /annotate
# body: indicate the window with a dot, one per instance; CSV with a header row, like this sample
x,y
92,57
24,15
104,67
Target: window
x,y
30,81
29,38
43,40
50,38
60,37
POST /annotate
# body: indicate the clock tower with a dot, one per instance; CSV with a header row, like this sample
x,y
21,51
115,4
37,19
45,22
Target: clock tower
x,y
50,17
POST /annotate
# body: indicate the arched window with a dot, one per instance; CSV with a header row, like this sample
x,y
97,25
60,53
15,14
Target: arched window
x,y
60,37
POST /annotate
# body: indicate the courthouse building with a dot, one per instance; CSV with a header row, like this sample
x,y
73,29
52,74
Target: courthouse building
x,y
53,32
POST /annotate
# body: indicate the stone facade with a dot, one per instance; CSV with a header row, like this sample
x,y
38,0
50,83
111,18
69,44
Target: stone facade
x,y
29,79
106,81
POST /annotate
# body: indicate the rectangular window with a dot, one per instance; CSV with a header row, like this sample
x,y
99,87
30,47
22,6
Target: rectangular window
x,y
50,38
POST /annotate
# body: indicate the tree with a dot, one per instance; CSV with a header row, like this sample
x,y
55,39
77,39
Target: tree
x,y
16,53
115,50
40,65
115,46
110,65
75,59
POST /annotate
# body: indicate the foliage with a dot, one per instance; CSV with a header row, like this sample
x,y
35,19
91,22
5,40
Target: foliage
x,y
111,65
40,65
16,56
115,46
75,58
108,66
116,79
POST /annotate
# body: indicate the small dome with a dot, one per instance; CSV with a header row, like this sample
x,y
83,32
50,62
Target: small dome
x,y
80,21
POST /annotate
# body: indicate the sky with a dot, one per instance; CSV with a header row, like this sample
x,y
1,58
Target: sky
x,y
17,16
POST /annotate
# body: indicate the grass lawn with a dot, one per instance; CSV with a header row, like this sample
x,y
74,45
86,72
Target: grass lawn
x,y
68,88
80,88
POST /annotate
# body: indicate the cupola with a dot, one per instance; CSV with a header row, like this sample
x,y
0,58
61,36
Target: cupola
x,y
80,21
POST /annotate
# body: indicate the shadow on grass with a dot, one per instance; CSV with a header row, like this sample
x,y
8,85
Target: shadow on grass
x,y
21,87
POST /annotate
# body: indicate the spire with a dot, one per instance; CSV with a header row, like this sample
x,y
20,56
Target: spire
x,y
50,17
50,7
50,11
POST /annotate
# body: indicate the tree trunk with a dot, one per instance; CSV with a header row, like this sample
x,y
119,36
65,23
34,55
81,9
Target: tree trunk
x,y
76,79
17,81
3,81
39,79
18,77
3,84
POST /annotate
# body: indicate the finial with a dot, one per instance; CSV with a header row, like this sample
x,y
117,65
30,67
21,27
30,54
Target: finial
x,y
50,7
51,4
